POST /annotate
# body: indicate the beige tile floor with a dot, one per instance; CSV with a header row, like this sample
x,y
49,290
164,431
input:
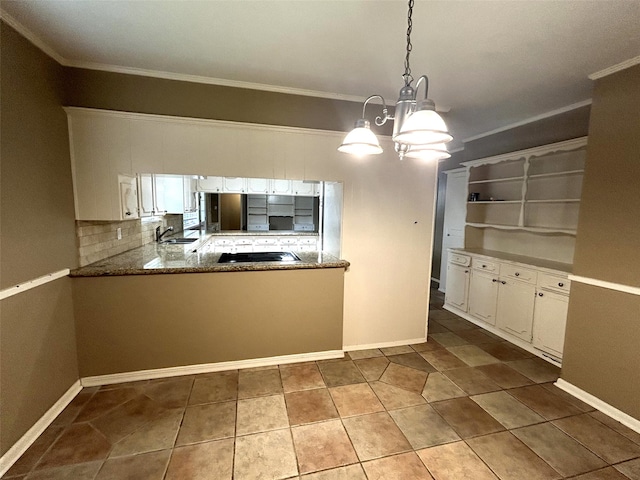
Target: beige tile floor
x,y
464,405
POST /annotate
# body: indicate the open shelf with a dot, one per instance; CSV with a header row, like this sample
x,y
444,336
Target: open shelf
x,y
566,231
497,180
556,174
494,202
555,200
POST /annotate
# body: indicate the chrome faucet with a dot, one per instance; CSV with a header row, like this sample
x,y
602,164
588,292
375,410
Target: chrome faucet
x,y
160,235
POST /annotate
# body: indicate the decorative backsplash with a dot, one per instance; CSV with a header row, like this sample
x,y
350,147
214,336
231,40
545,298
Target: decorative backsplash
x,y
98,240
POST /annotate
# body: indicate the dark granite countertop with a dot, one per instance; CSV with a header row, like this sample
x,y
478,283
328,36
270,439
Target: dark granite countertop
x,y
165,258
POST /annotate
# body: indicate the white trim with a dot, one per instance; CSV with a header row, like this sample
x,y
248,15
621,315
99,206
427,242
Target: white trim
x,y
398,343
595,402
21,446
542,116
619,287
32,37
99,380
28,285
565,146
615,68
183,77
201,121
434,279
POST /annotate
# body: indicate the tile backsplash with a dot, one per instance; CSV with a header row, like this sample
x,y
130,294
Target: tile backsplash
x,y
98,240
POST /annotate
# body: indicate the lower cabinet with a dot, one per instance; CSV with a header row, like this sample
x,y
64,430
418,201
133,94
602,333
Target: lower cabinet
x,y
457,293
515,308
524,303
549,322
483,296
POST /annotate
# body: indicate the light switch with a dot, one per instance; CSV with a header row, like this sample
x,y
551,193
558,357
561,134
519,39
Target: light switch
x,y
119,233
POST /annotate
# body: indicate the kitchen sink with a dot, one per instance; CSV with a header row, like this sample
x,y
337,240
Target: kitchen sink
x,y
179,240
258,257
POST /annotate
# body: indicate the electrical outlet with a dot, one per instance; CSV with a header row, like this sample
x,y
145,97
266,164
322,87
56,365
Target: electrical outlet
x,y
119,233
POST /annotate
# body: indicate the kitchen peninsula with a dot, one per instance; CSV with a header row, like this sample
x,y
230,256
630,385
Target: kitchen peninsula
x,y
144,313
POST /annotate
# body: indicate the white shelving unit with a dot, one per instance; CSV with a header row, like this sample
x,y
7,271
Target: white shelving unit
x,y
536,190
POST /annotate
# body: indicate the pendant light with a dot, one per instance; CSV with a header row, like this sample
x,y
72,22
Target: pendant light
x,y
418,130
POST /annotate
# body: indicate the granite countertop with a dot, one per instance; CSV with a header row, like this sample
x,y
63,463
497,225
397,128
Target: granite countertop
x,y
156,258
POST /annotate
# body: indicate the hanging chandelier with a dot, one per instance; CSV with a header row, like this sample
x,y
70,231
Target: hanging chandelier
x,y
418,131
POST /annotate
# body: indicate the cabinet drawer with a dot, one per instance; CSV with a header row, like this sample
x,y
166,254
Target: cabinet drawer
x,y
485,265
223,242
266,241
518,273
243,242
288,241
458,259
554,282
308,241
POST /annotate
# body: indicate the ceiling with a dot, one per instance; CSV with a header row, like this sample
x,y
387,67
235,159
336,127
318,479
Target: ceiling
x,y
490,63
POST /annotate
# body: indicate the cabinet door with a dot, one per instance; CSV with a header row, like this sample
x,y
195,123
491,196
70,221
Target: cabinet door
x,y
170,193
210,184
299,187
128,197
146,201
549,322
190,194
515,308
257,185
483,296
235,184
457,286
280,187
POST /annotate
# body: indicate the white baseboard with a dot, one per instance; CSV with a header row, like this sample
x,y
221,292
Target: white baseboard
x,y
595,402
207,368
349,348
21,446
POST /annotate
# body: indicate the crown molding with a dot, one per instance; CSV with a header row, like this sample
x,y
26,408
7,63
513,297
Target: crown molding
x,y
542,116
615,68
32,37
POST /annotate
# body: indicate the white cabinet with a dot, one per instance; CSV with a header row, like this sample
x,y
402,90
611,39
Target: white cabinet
x,y
210,184
169,193
234,184
128,197
258,185
483,295
523,303
549,322
190,194
305,188
146,196
515,308
280,187
457,293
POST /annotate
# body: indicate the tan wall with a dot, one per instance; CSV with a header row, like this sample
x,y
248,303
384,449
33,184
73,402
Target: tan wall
x,y
608,243
603,329
37,216
115,91
38,357
145,322
38,361
601,354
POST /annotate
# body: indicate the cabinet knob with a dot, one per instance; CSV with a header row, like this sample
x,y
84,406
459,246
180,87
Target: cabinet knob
x,y
484,266
466,271
129,213
541,294
494,280
560,284
517,274
503,282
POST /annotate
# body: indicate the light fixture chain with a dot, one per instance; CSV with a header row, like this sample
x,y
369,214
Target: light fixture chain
x,y
407,69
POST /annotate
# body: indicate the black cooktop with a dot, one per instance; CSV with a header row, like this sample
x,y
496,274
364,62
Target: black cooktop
x,y
258,257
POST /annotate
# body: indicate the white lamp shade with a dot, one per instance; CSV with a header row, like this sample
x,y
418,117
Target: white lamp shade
x,y
361,141
423,127
429,153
